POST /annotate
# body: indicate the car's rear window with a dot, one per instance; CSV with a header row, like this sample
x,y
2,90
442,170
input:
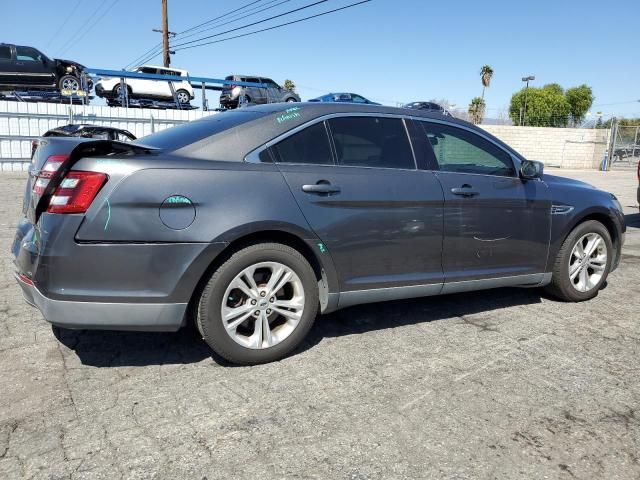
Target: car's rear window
x,y
188,133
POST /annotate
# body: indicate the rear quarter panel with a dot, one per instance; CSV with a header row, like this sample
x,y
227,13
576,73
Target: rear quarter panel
x,y
231,200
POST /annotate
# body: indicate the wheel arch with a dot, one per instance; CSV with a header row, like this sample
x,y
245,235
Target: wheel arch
x,y
600,215
323,268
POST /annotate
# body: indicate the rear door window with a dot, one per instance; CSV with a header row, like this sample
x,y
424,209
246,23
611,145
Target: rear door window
x,y
462,151
378,142
308,146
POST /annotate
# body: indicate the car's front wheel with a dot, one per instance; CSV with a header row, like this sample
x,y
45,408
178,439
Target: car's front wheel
x,y
583,263
69,82
259,305
183,96
291,99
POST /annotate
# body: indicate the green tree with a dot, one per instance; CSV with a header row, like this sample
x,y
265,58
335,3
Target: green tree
x,y
580,100
546,106
476,110
289,85
486,74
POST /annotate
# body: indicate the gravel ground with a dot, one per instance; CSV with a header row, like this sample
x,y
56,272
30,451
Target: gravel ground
x,y
499,384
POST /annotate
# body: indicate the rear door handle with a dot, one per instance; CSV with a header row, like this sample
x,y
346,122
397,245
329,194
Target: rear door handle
x,y
321,189
465,191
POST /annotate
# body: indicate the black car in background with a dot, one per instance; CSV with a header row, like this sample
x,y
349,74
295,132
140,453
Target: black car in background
x,y
428,107
86,131
23,67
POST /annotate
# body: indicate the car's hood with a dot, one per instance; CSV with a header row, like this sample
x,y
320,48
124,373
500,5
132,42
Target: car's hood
x,y
553,180
69,62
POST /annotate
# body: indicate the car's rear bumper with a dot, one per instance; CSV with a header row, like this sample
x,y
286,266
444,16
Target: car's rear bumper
x,y
103,315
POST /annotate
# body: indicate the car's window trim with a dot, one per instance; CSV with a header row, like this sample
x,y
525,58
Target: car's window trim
x,y
253,156
516,164
517,161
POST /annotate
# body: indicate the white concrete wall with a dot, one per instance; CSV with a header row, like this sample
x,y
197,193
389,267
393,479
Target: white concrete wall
x,y
22,122
559,147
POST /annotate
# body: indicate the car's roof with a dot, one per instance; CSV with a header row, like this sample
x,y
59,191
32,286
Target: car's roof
x,y
163,68
241,75
318,109
232,135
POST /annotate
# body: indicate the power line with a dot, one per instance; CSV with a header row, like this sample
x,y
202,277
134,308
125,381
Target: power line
x,y
154,52
221,16
63,24
90,26
252,24
238,18
276,26
139,60
82,26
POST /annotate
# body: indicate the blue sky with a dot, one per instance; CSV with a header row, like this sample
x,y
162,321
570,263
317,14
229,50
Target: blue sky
x,y
387,50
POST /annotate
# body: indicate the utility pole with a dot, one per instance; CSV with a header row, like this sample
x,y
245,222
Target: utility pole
x,y
165,35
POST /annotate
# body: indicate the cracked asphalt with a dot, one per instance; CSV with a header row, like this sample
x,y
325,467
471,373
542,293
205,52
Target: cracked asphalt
x,y
504,384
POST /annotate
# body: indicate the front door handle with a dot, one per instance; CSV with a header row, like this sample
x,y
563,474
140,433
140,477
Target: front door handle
x,y
465,191
321,188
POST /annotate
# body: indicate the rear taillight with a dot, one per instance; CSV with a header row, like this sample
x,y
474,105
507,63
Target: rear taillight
x,y
50,167
76,192
34,146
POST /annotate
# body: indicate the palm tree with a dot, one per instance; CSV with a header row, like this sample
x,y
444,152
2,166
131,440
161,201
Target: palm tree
x,y
476,110
486,73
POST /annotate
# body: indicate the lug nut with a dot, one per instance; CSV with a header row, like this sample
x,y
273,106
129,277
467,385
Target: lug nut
x,y
262,294
268,311
253,302
272,299
256,313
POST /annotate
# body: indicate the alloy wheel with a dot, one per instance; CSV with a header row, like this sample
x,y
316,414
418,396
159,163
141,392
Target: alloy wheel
x,y
70,84
183,97
262,305
588,262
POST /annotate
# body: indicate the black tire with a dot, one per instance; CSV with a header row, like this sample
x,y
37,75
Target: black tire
x,y
290,99
116,91
209,319
561,285
67,79
188,97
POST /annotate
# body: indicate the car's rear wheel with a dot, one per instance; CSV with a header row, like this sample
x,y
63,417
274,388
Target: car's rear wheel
x,y
183,96
69,82
583,263
118,88
259,305
291,99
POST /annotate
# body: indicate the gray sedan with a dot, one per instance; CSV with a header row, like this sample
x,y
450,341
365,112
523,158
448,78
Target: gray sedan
x,y
250,223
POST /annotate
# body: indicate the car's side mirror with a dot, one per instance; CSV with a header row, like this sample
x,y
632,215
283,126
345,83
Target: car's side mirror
x,y
531,169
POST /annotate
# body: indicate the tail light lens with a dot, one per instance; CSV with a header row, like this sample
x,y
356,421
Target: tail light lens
x,y
76,192
50,167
